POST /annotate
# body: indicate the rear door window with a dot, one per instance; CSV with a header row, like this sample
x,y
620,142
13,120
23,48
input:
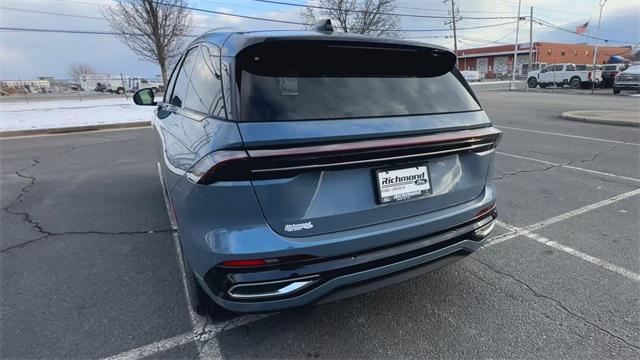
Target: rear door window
x,y
558,67
182,81
204,94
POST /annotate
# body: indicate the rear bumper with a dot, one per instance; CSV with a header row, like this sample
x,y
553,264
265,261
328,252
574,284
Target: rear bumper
x,y
326,280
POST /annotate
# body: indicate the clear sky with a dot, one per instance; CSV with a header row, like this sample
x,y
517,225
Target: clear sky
x,y
28,55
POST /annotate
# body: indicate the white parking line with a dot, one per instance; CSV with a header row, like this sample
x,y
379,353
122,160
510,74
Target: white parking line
x,y
197,321
571,251
582,210
501,238
586,257
154,348
211,331
516,231
569,136
568,166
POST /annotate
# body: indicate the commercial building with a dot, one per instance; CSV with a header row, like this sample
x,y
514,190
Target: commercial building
x,y
495,61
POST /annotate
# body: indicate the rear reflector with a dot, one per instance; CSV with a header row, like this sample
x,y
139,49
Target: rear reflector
x,y
244,263
262,262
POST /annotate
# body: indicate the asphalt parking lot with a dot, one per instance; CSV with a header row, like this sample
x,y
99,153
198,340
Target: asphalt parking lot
x,y
89,267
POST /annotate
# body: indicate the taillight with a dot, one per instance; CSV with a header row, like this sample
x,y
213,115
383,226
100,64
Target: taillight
x,y
589,75
262,164
224,165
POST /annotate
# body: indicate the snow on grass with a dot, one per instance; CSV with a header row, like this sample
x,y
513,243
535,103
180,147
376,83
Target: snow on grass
x,y
71,113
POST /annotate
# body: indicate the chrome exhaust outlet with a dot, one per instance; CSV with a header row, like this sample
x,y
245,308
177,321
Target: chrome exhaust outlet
x,y
485,229
269,289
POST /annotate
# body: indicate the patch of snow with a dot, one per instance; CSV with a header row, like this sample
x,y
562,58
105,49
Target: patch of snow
x,y
71,113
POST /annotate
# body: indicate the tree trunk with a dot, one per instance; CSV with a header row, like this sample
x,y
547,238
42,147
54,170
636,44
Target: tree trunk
x,y
163,69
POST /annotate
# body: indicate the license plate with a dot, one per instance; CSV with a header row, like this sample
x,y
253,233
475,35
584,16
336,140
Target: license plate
x,y
403,184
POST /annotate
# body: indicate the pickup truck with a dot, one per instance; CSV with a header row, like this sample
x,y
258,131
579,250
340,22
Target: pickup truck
x,y
561,75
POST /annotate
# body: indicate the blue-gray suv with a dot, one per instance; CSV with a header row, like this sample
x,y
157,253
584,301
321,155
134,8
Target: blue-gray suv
x,y
308,166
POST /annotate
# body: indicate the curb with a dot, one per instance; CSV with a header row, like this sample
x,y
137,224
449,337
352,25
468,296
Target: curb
x,y
74,129
577,116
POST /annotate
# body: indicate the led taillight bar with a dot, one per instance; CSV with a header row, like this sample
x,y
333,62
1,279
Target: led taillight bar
x,y
234,165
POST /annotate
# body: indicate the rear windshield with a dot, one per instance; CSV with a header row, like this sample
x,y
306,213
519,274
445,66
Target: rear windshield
x,y
366,83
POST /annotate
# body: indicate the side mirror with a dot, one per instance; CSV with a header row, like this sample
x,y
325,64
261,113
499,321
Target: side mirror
x,y
144,97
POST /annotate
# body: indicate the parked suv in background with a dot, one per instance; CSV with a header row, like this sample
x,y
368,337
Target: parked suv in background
x,y
304,167
609,72
627,80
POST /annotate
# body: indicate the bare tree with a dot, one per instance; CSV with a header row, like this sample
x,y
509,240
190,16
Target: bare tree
x,y
154,30
79,68
370,17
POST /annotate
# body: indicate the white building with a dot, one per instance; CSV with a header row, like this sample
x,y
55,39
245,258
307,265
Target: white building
x,y
32,85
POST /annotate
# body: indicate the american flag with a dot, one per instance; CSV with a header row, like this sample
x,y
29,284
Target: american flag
x,y
582,28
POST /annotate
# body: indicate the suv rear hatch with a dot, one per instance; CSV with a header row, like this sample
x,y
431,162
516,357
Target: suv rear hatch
x,y
343,134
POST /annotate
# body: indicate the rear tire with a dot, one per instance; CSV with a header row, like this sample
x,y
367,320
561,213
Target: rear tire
x,y
532,83
120,91
575,82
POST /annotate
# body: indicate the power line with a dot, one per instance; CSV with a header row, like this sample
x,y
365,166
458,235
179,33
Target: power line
x,y
433,10
308,24
50,13
381,12
84,32
62,14
91,32
221,13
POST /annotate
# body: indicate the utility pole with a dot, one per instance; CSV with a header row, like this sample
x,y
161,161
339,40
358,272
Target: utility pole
x,y
595,51
454,13
514,66
530,44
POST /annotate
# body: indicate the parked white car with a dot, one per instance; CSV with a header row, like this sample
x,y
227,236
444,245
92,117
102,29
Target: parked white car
x,y
563,74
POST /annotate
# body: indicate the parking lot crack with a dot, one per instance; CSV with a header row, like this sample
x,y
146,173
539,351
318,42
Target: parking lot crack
x,y
559,304
48,234
553,166
28,218
526,171
10,209
594,157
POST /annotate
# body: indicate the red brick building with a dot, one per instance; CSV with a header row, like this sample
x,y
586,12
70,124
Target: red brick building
x,y
498,60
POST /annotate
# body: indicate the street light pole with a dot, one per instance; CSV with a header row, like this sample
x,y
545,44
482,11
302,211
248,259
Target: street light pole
x,y
514,65
595,52
530,46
